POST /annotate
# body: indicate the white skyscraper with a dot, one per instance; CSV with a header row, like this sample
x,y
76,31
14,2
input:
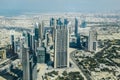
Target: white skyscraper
x,y
92,40
61,47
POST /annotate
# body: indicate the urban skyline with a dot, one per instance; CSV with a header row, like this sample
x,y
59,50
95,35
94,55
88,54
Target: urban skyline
x,y
59,40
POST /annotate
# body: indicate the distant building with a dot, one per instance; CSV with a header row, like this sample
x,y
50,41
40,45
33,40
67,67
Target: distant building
x,y
41,55
12,42
36,31
31,41
2,53
46,40
41,26
76,26
83,24
52,22
25,35
61,46
66,22
92,41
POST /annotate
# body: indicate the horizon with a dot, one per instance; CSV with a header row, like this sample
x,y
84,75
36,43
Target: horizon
x,y
18,7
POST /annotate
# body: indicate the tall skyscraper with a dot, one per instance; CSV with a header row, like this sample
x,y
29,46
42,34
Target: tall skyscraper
x,y
28,64
76,26
12,42
31,41
53,30
92,41
61,47
25,63
29,60
36,31
41,30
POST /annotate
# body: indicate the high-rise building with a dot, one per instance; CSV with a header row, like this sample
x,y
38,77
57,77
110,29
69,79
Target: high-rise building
x,y
25,35
31,41
76,26
92,41
41,30
36,31
41,55
12,42
51,22
28,64
25,63
29,60
66,22
61,47
53,30
83,24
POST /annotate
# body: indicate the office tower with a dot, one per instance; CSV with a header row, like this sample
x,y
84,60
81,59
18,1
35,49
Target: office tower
x,y
53,30
59,22
31,41
25,35
41,55
92,41
28,56
61,47
66,22
76,26
25,63
51,22
12,42
46,39
41,26
36,31
28,64
83,24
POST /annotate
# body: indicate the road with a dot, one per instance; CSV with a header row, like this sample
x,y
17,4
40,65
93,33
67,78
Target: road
x,y
82,70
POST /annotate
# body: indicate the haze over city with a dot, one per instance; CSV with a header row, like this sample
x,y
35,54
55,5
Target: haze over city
x,y
15,7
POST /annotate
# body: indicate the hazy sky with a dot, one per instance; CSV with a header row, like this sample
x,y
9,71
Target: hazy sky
x,y
59,5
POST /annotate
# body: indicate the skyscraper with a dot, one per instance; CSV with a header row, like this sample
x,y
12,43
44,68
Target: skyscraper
x,y
12,42
92,40
41,30
41,55
61,47
76,26
28,57
28,64
83,24
36,30
25,63
51,22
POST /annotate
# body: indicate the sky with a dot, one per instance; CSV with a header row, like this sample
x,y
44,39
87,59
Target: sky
x,y
51,6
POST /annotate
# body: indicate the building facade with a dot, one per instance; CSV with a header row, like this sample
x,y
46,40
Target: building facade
x,y
61,47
